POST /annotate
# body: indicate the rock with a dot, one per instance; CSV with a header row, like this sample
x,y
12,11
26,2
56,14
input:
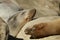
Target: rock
x,y
43,7
17,21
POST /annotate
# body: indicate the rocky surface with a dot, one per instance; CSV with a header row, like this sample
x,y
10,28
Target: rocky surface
x,y
43,7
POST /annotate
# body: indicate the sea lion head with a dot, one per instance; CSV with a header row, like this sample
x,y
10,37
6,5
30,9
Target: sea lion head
x,y
36,31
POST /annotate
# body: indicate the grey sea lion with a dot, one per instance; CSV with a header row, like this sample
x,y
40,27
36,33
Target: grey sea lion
x,y
4,30
17,21
8,8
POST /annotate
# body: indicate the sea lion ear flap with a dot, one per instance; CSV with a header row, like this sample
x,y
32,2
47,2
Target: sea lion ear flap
x,y
30,14
42,25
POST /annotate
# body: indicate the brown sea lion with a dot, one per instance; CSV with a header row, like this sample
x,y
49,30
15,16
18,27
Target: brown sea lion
x,y
44,29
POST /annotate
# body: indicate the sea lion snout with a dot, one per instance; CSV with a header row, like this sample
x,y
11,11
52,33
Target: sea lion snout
x,y
28,31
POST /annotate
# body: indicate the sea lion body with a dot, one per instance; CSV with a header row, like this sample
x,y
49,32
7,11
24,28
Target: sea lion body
x,y
8,8
4,30
43,27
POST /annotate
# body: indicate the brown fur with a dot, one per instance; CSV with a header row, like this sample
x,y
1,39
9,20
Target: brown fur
x,y
44,29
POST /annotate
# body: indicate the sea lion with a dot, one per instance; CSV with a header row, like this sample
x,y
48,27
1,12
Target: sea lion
x,y
8,8
4,30
43,28
17,21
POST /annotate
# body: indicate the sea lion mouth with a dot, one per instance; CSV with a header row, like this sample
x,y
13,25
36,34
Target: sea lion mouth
x,y
33,37
26,33
13,38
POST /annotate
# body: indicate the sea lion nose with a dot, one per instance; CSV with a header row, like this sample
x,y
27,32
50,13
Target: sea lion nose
x,y
26,31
